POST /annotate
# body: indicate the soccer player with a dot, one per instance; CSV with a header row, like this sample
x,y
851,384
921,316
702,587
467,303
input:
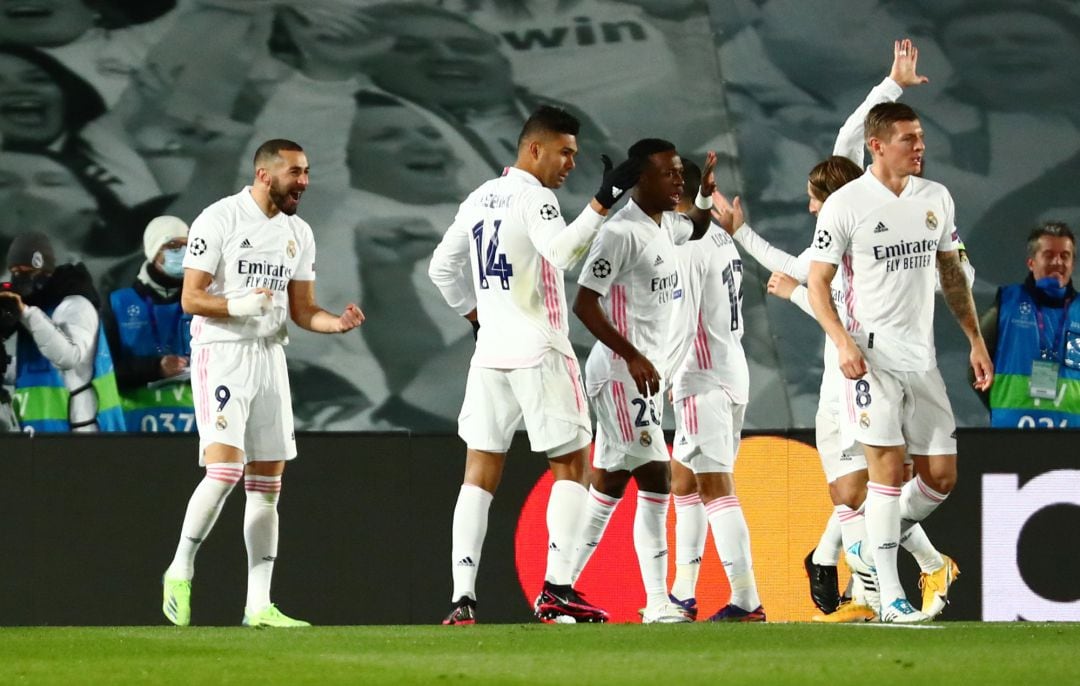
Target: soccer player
x,y
628,290
845,466
710,390
889,229
500,265
250,264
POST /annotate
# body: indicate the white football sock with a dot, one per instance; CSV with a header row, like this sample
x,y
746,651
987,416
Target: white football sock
x,y
883,535
598,510
467,538
261,537
732,539
202,512
918,501
827,552
916,542
565,505
691,527
650,542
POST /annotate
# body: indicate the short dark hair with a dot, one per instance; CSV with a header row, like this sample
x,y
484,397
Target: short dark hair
x,y
548,119
1054,229
272,148
831,174
649,146
691,178
881,117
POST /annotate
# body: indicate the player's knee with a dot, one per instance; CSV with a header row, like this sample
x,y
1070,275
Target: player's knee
x,y
942,479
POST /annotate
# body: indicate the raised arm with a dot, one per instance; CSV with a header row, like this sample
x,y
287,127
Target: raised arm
x,y
903,74
957,292
731,217
700,213
563,245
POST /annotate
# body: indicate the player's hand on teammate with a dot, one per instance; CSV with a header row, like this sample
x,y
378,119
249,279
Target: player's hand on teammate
x,y
617,180
982,366
852,362
253,304
644,375
351,318
781,285
708,177
905,64
171,365
729,215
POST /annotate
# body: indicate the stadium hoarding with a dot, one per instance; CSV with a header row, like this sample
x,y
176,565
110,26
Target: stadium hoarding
x,y
91,522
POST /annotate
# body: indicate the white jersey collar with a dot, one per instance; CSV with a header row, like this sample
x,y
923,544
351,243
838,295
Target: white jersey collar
x,y
523,175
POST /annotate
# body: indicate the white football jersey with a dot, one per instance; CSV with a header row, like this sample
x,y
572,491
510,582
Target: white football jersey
x,y
242,249
497,236
633,266
886,247
709,330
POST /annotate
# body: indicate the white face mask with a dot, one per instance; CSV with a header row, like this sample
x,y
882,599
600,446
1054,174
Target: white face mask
x,y
173,264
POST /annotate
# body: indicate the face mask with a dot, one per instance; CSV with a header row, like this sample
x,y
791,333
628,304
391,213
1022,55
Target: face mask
x,y
1050,286
173,265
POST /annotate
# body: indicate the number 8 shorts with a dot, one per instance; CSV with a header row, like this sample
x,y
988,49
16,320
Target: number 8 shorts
x,y
889,408
242,399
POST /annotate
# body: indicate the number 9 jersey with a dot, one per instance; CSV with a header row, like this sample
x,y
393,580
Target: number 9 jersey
x,y
504,255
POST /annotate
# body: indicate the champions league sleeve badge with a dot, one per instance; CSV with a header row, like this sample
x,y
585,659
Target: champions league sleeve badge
x,y
601,268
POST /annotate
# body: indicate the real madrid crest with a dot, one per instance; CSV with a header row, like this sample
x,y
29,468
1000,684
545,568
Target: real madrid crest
x,y
290,249
221,424
931,220
646,439
864,420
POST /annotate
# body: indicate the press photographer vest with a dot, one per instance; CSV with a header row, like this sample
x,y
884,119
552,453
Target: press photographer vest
x,y
42,398
1011,404
148,329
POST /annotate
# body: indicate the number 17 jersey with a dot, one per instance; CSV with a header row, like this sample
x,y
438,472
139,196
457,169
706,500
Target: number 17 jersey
x,y
501,230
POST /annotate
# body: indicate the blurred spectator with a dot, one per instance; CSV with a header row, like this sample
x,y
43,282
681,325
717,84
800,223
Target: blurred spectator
x,y
579,50
64,378
150,335
95,39
1033,335
1008,113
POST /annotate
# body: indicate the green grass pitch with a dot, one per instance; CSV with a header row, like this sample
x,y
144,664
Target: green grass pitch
x,y
944,653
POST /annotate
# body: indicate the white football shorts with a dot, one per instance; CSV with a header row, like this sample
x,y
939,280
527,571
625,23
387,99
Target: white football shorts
x,y
708,431
629,430
549,397
889,408
242,398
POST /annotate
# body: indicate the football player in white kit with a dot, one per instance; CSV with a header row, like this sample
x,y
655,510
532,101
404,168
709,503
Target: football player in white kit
x,y
629,286
710,390
845,466
501,265
889,229
249,267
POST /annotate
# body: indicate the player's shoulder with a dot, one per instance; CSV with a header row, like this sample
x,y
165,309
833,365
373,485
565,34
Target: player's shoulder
x,y
929,188
218,213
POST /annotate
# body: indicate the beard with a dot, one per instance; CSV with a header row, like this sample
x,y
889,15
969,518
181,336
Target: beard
x,y
283,199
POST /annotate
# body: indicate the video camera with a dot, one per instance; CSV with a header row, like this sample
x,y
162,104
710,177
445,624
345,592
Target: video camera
x,y
9,312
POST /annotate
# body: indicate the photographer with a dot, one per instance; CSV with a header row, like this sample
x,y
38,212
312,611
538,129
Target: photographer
x,y
64,376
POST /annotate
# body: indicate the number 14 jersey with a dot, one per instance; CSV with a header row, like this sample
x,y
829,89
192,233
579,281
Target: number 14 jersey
x,y
506,230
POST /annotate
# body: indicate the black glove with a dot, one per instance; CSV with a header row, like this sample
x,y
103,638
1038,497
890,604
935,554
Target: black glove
x,y
617,180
